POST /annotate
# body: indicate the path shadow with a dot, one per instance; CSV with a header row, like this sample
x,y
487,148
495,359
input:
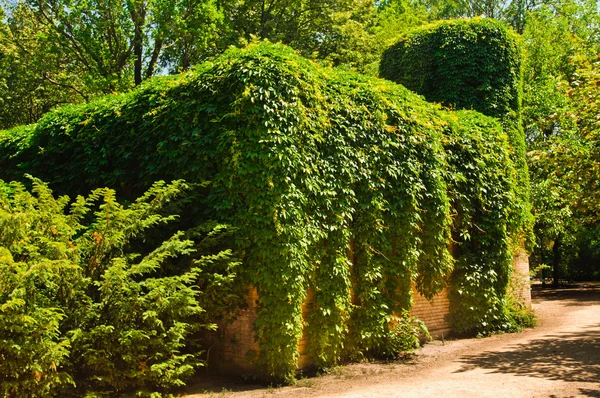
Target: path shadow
x,y
570,357
584,392
573,295
215,385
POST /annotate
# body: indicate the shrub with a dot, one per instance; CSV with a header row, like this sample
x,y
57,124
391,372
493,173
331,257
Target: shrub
x,y
81,313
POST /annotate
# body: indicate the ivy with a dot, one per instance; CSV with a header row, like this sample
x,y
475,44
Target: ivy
x,y
348,186
466,64
482,185
475,64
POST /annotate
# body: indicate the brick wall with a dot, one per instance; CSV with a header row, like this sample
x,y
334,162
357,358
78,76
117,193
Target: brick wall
x,y
233,348
433,313
234,345
520,282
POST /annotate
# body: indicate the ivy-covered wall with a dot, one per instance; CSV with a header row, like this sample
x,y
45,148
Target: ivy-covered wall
x,y
349,186
468,64
471,64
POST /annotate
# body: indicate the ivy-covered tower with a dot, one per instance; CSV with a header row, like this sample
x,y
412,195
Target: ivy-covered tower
x,y
471,64
463,64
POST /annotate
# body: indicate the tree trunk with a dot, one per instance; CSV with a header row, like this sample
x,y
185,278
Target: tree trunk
x,y
542,261
185,62
155,54
556,260
138,17
137,50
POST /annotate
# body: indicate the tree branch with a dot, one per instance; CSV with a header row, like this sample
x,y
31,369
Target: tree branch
x,y
47,78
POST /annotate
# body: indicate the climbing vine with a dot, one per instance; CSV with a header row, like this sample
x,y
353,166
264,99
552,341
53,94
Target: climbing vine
x,y
346,186
475,64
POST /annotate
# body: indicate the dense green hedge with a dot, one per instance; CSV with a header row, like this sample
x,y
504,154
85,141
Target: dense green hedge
x,y
333,181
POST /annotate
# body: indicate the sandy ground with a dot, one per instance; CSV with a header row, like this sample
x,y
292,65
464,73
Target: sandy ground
x,y
559,358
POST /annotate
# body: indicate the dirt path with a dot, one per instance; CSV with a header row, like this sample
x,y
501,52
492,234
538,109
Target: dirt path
x,y
559,358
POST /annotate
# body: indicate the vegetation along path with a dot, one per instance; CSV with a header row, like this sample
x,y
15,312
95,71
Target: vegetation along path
x,y
559,358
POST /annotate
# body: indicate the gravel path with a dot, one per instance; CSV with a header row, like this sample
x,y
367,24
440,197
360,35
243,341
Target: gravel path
x,y
559,358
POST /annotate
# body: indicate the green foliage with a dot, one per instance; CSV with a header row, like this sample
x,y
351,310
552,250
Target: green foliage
x,y
57,52
555,220
468,64
586,265
81,313
564,168
520,314
32,349
362,33
306,25
333,182
554,36
482,186
561,38
112,46
402,336
465,64
475,64
33,77
576,158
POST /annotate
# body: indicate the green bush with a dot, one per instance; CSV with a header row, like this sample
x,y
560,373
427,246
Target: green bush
x,y
83,315
331,180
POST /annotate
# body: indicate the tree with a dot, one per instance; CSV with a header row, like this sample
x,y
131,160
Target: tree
x,y
118,43
57,52
565,167
580,161
549,45
35,76
561,43
555,226
305,25
359,36
194,30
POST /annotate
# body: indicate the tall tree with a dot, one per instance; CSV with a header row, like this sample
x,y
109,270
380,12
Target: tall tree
x,y
195,30
306,25
559,38
35,75
359,36
119,43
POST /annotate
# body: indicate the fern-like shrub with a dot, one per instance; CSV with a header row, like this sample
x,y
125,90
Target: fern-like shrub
x,y
83,315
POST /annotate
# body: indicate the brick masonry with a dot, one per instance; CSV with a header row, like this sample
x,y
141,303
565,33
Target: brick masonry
x,y
520,282
433,313
234,347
